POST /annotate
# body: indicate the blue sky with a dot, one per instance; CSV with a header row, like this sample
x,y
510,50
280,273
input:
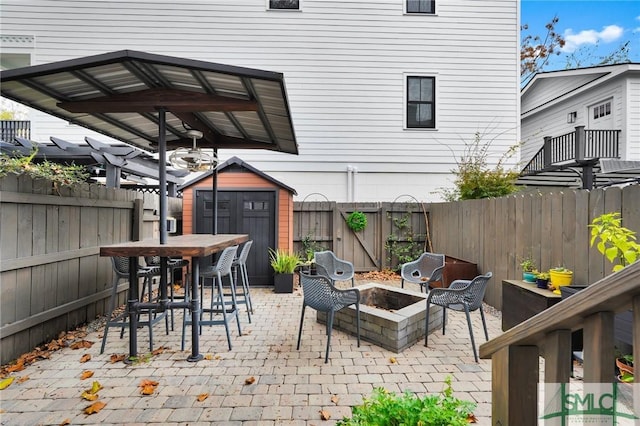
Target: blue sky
x,y
592,28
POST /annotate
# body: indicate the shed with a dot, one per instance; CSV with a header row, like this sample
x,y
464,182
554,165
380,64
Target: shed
x,y
249,202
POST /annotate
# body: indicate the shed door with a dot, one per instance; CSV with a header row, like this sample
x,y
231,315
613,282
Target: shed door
x,y
243,212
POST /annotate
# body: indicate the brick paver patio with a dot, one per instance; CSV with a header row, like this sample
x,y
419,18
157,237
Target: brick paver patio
x,y
290,387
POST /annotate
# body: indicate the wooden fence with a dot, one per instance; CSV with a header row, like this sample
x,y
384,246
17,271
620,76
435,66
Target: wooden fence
x,y
51,275
393,230
493,233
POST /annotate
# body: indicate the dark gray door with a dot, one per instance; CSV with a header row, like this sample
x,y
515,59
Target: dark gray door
x,y
243,212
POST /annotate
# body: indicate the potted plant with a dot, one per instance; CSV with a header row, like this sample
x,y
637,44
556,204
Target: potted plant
x,y
283,264
542,279
559,277
625,367
528,267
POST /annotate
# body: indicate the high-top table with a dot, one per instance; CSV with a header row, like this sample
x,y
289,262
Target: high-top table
x,y
192,245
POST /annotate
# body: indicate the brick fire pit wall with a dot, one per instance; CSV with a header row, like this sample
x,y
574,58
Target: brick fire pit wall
x,y
390,317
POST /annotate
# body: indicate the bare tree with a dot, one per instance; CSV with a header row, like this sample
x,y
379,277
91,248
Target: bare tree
x,y
535,51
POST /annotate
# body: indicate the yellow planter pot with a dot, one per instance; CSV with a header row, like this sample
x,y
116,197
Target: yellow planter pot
x,y
559,279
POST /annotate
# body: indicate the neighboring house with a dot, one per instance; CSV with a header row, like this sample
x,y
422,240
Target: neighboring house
x,y
586,114
383,93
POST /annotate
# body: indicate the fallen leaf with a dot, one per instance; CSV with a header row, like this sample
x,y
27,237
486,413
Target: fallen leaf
x,y
6,382
325,415
208,357
87,395
22,379
18,366
217,357
471,418
85,358
249,380
335,399
148,390
158,351
94,408
148,386
116,358
202,397
95,387
392,360
86,374
65,422
81,344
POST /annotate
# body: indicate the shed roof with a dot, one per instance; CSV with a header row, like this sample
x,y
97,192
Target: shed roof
x,y
237,162
120,93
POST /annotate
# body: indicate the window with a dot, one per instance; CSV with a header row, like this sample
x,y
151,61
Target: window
x,y
284,4
421,6
602,110
421,102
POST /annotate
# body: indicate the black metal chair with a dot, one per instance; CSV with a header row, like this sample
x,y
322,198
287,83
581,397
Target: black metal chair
x,y
464,296
219,304
121,272
423,271
321,295
335,269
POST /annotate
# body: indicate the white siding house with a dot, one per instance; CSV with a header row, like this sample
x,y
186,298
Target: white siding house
x,y
598,98
383,99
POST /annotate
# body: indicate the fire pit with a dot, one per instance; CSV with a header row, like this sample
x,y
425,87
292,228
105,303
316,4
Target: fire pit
x,y
390,317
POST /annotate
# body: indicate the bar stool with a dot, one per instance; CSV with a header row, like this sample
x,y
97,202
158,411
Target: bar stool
x,y
240,265
121,272
173,264
218,303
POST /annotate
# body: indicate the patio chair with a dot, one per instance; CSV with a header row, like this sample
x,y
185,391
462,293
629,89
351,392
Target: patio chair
x,y
239,265
335,269
173,264
425,270
219,304
121,272
321,295
464,296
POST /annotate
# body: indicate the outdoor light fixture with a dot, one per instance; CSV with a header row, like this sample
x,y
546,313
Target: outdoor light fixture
x,y
193,159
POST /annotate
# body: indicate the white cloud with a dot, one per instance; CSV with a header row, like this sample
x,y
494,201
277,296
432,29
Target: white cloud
x,y
607,35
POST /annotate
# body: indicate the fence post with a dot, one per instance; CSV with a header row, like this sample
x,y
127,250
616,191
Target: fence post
x,y
580,143
546,151
138,219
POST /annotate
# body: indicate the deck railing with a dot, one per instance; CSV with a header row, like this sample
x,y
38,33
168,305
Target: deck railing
x,y
515,354
10,129
579,145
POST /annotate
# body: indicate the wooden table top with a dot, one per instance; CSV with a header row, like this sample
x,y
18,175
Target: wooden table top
x,y
193,245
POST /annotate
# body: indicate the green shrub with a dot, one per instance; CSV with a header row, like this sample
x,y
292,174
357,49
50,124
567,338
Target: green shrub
x,y
474,178
388,409
617,243
59,174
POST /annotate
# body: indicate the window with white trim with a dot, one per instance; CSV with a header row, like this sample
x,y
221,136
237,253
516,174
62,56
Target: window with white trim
x,y
420,6
284,4
421,102
602,110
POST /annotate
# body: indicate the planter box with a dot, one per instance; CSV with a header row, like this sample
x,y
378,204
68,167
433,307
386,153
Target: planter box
x,y
456,269
283,283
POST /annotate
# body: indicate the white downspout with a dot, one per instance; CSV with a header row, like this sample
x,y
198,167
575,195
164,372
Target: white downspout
x,y
352,174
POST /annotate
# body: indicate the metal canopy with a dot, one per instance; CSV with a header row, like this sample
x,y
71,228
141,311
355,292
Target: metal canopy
x,y
121,94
